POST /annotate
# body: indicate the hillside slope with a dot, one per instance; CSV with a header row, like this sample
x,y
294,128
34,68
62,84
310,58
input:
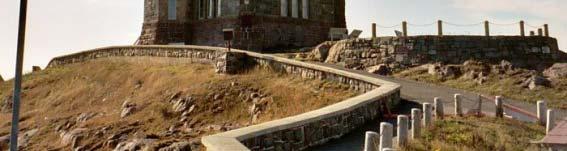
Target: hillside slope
x,y
120,103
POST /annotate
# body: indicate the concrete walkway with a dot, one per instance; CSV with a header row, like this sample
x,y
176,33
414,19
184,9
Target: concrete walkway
x,y
424,92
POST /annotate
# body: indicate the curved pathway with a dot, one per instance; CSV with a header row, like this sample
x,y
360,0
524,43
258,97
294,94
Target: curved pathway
x,y
423,92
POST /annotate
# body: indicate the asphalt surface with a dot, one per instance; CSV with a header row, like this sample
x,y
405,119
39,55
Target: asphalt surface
x,y
425,92
417,93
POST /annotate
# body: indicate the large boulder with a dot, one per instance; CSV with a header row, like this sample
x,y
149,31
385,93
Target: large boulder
x,y
321,52
381,69
558,70
336,50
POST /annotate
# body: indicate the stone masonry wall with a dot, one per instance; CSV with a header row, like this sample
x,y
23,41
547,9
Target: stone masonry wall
x,y
316,133
521,51
293,133
269,29
206,53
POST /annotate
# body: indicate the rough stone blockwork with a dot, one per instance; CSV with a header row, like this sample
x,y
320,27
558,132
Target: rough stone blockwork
x,y
293,133
196,52
258,25
233,63
521,51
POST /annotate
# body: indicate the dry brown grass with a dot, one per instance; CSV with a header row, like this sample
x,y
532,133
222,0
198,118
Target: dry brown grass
x,y
471,133
58,95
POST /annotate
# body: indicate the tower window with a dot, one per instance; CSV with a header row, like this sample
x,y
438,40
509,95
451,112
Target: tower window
x,y
172,9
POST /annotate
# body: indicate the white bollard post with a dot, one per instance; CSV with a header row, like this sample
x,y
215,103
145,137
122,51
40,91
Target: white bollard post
x,y
415,123
439,111
371,141
386,134
426,114
458,105
402,130
499,107
479,105
541,109
550,123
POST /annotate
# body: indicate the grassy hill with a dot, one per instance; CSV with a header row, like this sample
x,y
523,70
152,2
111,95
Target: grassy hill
x,y
152,103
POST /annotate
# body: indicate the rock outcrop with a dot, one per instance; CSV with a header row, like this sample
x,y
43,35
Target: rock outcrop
x,y
321,52
558,70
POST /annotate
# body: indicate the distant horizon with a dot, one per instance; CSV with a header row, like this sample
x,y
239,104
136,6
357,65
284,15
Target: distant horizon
x,y
62,27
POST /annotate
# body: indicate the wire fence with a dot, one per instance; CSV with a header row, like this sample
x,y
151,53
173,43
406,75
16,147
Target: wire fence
x,y
503,28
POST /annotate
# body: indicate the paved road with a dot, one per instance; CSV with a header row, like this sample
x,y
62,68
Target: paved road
x,y
419,92
424,92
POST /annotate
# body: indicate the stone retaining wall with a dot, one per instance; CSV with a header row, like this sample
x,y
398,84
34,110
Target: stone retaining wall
x,y
292,133
521,51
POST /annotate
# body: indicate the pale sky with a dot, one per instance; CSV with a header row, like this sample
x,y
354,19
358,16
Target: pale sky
x,y
59,27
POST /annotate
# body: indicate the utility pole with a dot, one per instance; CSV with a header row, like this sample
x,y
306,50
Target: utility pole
x,y
18,78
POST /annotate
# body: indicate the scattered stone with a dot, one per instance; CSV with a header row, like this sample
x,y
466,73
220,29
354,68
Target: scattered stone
x,y
85,117
217,97
536,81
139,84
127,109
72,137
181,105
506,65
434,69
134,145
7,105
451,71
179,146
36,68
254,95
482,78
381,69
188,112
24,139
4,140
174,96
558,70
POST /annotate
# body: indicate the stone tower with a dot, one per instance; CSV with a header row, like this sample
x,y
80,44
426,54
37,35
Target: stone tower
x,y
258,24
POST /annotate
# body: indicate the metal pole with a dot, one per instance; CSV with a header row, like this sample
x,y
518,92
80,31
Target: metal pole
x,y
18,78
